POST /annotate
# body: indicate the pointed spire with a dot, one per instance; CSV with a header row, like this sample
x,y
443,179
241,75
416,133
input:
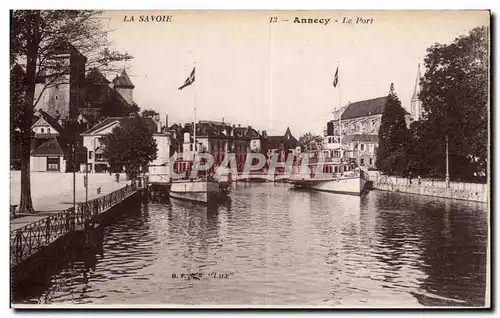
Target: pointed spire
x,y
123,80
416,89
391,90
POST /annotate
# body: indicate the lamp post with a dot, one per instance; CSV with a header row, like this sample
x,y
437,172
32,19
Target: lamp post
x,y
73,168
447,165
86,174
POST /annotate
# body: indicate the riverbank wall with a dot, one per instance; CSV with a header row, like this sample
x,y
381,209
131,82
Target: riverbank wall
x,y
477,192
36,245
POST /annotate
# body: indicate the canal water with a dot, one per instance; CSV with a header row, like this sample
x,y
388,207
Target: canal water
x,y
273,246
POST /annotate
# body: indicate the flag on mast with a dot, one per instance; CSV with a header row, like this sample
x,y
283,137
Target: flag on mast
x,y
336,78
189,80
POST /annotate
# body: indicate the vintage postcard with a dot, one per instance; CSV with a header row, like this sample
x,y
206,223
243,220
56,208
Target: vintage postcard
x,y
250,159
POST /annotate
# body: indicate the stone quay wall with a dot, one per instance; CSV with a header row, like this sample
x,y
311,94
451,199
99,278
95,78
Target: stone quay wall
x,y
456,190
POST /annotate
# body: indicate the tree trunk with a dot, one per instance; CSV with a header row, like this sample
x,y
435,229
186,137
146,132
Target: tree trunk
x,y
26,205
33,21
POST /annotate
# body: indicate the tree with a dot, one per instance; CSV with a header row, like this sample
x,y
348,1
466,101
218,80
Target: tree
x,y
36,37
149,113
130,145
393,137
454,94
425,158
17,102
310,142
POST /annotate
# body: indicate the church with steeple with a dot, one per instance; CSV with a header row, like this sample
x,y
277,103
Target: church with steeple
x,y
416,109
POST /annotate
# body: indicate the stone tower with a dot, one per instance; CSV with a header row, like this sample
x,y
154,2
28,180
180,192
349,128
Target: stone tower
x,y
416,110
124,86
62,98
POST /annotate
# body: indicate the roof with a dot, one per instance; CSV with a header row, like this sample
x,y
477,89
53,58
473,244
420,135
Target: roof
x,y
108,121
101,125
214,129
67,48
365,108
123,81
360,138
273,142
416,90
51,121
288,134
96,77
17,70
48,148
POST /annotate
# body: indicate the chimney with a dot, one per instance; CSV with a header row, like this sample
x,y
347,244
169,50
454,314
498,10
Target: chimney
x,y
166,121
264,134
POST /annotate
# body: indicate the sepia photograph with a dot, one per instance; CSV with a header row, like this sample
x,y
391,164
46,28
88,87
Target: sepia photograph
x,y
250,159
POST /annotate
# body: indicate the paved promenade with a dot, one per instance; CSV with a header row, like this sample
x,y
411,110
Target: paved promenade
x,y
52,192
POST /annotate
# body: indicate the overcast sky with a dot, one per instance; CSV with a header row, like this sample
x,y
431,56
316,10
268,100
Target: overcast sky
x,y
274,75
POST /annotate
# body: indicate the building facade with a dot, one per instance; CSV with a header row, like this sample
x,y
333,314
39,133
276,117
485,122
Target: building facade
x,y
50,145
61,96
283,145
359,125
218,139
93,141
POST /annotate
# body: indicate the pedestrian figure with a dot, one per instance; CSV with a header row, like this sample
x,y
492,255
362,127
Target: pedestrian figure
x,y
419,180
409,177
99,190
117,176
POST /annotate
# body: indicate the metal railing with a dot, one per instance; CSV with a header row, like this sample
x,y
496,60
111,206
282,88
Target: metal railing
x,y
31,238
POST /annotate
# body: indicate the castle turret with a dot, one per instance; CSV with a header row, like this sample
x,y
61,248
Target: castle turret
x,y
416,110
124,86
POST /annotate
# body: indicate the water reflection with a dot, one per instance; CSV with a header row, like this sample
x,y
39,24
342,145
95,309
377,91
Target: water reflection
x,y
285,248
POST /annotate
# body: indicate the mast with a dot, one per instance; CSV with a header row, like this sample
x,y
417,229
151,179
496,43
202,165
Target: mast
x,y
194,126
340,121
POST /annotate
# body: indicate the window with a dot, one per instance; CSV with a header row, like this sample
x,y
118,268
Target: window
x,y
90,155
42,130
362,147
371,161
190,147
362,161
52,163
48,130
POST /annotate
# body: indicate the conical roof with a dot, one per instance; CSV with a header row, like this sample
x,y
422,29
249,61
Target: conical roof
x,y
288,134
96,77
123,81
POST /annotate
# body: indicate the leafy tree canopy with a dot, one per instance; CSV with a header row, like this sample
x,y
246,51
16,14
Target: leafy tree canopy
x,y
130,145
149,113
310,142
454,94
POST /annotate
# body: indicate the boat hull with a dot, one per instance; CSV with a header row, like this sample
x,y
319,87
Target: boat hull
x,y
197,191
349,185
